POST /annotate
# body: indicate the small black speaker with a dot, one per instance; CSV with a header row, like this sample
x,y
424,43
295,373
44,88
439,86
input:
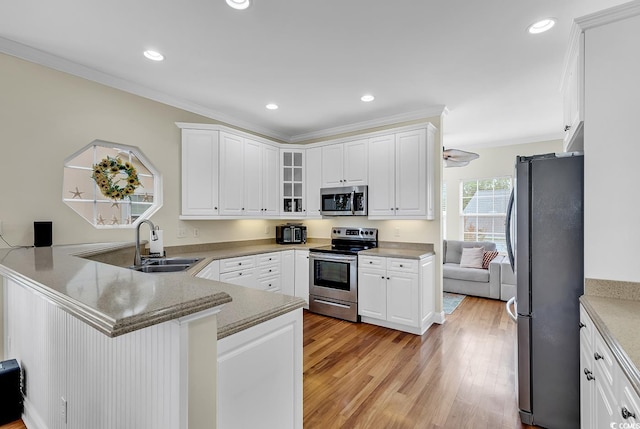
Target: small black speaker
x,y
10,394
42,234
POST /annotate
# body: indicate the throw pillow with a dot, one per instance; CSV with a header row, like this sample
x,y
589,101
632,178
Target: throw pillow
x,y
471,257
488,257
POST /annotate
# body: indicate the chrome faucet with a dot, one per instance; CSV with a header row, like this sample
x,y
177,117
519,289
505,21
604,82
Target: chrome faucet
x,y
137,259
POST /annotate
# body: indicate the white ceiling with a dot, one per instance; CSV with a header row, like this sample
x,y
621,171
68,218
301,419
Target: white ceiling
x,y
315,58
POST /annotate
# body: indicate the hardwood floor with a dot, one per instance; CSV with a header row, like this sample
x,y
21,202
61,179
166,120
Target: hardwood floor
x,y
457,375
14,425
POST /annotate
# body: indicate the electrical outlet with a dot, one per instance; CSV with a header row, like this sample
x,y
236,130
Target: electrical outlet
x,y
182,232
266,229
396,232
196,232
63,409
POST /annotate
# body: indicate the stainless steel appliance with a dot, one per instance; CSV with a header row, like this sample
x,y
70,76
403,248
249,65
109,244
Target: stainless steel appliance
x,y
344,201
547,205
333,272
291,234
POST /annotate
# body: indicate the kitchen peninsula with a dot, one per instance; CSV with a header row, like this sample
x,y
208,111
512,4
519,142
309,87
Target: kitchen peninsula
x,y
104,346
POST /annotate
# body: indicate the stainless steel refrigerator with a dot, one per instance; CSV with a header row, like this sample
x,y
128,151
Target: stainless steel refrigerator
x,y
545,228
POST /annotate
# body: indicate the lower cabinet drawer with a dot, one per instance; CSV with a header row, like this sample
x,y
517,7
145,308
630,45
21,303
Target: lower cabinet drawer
x,y
239,263
405,265
268,271
271,284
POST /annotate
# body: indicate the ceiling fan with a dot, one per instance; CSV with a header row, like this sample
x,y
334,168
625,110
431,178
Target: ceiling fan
x,y
457,157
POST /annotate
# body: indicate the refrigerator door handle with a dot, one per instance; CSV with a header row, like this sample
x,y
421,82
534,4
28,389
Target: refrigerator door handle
x,y
508,230
512,303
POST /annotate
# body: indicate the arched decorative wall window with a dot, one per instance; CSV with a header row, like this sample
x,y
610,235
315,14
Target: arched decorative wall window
x,y
111,185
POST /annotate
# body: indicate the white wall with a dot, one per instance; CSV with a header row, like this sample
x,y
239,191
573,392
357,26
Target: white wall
x,y
612,152
493,162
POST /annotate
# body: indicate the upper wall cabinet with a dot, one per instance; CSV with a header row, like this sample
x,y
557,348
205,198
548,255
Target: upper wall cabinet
x,y
248,177
573,95
200,155
229,174
345,164
401,175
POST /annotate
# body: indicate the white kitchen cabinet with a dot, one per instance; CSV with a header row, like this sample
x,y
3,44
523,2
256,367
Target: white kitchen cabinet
x,y
401,179
239,271
372,292
231,174
260,375
200,152
573,95
345,164
248,177
269,266
606,395
313,181
301,273
397,293
292,178
288,272
211,271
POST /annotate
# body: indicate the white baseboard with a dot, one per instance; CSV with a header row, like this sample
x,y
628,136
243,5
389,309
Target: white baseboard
x,y
439,318
31,418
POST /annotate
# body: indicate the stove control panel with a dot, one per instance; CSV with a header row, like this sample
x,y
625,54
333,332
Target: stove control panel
x,y
350,233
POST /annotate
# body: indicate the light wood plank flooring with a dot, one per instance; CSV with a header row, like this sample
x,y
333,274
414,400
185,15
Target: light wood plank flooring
x,y
457,375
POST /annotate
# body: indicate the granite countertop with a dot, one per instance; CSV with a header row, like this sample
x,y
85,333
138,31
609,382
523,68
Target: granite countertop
x,y
90,281
614,308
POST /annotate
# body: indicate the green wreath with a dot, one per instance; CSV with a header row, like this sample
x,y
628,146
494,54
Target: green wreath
x,y
108,175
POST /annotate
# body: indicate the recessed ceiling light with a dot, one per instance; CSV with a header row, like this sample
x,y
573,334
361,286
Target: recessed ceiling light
x,y
239,4
541,26
271,106
153,55
367,98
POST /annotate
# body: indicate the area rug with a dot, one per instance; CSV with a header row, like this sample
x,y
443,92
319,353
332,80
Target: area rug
x,y
451,301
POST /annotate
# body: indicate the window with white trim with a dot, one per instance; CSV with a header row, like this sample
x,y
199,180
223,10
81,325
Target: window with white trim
x,y
483,209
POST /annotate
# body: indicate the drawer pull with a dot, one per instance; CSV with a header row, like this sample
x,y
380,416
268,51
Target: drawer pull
x,y
371,262
597,356
582,325
239,274
626,413
401,265
239,263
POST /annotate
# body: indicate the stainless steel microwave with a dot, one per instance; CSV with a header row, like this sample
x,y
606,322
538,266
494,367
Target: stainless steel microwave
x,y
344,201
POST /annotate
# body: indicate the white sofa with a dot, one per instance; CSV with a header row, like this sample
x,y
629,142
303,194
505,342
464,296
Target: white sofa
x,y
507,280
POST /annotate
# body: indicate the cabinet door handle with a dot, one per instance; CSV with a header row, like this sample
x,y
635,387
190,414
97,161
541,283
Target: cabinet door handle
x,y
240,274
626,413
589,374
382,277
215,208
581,325
388,278
597,356
567,127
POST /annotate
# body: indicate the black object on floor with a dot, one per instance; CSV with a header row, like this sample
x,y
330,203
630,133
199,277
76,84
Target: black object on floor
x,y
10,394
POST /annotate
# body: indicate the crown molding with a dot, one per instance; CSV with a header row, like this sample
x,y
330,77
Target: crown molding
x,y
380,122
609,15
46,59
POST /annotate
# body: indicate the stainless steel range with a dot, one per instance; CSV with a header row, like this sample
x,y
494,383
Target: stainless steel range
x,y
333,272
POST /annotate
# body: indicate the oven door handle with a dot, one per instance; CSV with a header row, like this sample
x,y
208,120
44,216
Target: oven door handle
x,y
330,257
335,304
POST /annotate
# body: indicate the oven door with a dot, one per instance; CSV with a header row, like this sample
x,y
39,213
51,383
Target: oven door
x,y
333,276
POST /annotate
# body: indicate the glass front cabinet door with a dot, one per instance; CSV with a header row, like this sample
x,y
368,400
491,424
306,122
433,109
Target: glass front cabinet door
x,y
292,162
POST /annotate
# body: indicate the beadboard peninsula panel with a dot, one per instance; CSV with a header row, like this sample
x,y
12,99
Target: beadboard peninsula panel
x,y
132,381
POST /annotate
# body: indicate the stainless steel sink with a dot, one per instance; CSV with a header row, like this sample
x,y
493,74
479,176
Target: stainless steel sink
x,y
160,268
165,265
171,261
